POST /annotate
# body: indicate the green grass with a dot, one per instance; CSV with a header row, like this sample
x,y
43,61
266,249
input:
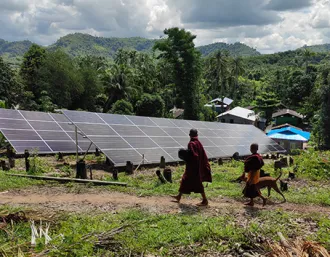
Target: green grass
x,y
167,235
9,182
146,183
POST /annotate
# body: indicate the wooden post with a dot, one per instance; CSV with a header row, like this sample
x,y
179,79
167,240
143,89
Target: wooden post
x,y
11,157
115,174
168,174
162,162
97,152
27,161
129,168
60,156
220,162
81,170
4,165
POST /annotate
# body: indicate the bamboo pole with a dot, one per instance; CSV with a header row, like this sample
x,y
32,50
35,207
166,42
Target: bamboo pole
x,y
96,182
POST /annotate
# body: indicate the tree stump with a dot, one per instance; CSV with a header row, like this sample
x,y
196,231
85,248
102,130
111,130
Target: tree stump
x,y
167,173
129,168
81,170
160,176
27,161
4,166
97,152
107,161
60,156
291,161
115,174
162,162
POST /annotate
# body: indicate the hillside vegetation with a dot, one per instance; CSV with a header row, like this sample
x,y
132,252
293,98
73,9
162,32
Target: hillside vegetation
x,y
237,49
79,44
136,82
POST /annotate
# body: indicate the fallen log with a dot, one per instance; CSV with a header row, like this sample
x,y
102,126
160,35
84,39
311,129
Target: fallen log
x,y
66,180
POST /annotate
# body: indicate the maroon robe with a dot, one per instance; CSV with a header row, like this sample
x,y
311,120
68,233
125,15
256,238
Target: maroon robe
x,y
198,169
253,162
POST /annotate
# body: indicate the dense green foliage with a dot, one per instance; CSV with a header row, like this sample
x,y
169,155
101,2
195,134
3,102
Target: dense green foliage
x,y
79,44
14,49
165,73
236,49
178,49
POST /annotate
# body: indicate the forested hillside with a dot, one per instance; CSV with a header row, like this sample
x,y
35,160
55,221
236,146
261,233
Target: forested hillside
x,y
136,82
11,50
79,44
83,44
324,48
237,49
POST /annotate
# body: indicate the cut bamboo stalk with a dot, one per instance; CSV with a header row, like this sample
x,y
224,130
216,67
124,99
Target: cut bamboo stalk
x,y
66,180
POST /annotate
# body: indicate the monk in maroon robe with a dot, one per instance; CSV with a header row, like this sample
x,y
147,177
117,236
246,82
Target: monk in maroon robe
x,y
198,170
252,166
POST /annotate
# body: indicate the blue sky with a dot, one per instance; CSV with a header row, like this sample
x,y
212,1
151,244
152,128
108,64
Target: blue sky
x,y
267,25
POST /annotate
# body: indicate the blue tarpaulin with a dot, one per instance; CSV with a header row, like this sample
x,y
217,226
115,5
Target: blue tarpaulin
x,y
289,133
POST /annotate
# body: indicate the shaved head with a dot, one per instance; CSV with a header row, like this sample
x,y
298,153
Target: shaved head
x,y
193,133
254,148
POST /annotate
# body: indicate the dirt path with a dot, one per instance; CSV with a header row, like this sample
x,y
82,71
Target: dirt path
x,y
57,199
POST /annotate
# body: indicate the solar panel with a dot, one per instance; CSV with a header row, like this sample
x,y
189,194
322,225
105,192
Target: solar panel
x,y
41,132
125,138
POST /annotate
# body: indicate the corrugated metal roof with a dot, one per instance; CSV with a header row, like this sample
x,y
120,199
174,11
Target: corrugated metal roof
x,y
240,112
287,111
225,100
293,137
290,131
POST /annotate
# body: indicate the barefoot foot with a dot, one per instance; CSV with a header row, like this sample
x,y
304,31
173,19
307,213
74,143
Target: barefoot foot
x,y
203,203
176,198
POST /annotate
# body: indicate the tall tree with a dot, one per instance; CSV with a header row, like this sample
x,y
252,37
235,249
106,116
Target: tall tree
x,y
307,55
9,87
237,70
118,84
325,107
218,71
32,61
267,102
179,49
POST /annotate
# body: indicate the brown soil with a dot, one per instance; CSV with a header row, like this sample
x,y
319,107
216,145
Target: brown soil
x,y
60,199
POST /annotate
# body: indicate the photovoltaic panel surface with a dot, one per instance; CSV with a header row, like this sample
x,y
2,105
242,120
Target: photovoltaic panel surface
x,y
128,138
41,132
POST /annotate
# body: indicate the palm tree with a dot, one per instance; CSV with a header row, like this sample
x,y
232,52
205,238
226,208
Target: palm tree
x,y
118,84
237,70
218,68
307,55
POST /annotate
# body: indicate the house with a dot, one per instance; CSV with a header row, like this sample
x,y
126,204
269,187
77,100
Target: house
x,y
220,104
238,115
289,137
288,116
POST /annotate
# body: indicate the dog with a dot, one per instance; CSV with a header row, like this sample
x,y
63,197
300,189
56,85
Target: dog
x,y
269,182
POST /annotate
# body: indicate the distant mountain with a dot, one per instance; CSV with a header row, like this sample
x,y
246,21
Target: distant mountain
x,y
11,50
83,44
236,49
318,48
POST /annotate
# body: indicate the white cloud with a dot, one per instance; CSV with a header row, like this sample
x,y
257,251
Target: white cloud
x,y
269,26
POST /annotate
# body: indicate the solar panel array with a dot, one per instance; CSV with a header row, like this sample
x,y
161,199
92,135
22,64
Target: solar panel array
x,y
126,138
43,132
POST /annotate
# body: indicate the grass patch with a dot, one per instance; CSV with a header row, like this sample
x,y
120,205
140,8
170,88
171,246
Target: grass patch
x,y
9,182
167,235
